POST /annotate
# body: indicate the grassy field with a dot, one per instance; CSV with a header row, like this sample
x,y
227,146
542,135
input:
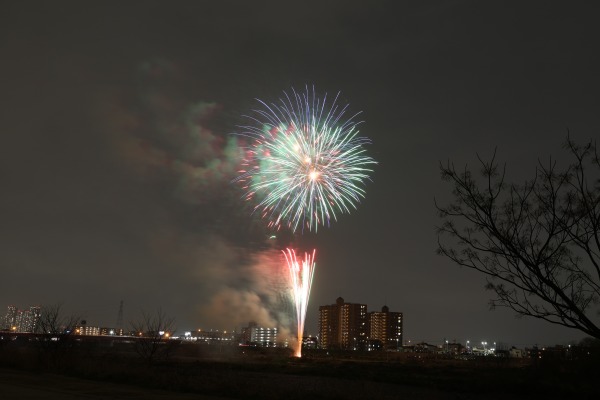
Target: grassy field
x,y
249,373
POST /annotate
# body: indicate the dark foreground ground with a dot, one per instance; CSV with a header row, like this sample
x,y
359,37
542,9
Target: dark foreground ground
x,y
196,372
24,385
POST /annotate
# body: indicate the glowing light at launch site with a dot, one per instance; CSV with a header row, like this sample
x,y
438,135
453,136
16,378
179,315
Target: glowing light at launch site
x,y
301,276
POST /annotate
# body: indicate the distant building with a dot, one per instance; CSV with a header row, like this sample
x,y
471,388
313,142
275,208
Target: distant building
x,y
9,320
111,332
310,342
515,353
85,330
22,320
342,325
33,319
453,348
245,334
264,337
255,335
386,327
424,347
211,337
329,325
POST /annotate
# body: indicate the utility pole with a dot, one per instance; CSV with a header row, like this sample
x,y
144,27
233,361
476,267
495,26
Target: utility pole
x,y
119,324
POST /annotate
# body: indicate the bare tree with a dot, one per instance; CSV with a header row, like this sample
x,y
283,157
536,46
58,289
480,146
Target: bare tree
x,y
53,322
153,331
538,243
54,333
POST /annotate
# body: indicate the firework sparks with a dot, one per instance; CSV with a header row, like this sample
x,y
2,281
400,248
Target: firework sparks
x,y
306,163
301,275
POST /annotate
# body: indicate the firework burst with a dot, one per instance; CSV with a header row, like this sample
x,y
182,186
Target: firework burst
x,y
301,276
306,163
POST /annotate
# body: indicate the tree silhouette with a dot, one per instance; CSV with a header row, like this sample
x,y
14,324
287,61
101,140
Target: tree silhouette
x,y
153,331
538,242
54,335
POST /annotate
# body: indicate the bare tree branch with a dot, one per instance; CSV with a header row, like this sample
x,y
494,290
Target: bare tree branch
x,y
538,243
54,333
153,331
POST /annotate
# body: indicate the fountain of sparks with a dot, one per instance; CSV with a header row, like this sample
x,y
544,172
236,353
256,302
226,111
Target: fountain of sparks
x,y
301,276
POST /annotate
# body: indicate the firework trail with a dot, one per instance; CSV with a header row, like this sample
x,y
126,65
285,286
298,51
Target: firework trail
x,y
305,163
301,276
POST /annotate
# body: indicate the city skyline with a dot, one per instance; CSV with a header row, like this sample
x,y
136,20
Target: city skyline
x,y
18,320
119,125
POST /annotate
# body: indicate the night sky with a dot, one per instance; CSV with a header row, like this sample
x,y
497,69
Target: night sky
x,y
116,150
